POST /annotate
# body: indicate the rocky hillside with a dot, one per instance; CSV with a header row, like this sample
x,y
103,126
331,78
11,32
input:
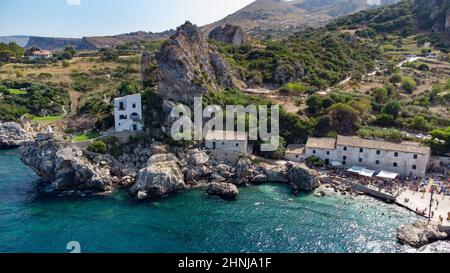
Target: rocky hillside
x,y
406,17
189,66
279,17
93,43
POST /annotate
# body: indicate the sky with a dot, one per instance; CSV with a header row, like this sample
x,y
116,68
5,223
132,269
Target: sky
x,y
78,18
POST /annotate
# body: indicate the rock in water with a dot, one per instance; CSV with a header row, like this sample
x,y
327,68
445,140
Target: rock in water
x,y
420,234
65,167
227,191
12,135
189,66
302,177
161,177
230,34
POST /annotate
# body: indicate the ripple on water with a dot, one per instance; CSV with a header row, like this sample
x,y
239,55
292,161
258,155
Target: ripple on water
x,y
264,218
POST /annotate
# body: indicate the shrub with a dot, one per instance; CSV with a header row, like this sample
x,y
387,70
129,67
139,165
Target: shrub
x,y
98,146
396,78
65,64
409,84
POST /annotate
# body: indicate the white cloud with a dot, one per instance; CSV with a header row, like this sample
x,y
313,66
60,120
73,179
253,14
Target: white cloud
x,y
73,2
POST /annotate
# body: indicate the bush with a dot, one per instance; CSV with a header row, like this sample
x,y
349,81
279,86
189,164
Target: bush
x,y
423,67
98,146
395,79
65,64
409,84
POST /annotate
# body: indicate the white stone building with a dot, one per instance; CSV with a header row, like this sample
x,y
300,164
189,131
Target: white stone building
x,y
41,55
128,113
227,141
406,158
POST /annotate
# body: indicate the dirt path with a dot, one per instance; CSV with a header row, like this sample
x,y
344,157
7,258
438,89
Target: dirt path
x,y
74,101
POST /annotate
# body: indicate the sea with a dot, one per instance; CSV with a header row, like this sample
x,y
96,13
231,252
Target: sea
x,y
263,219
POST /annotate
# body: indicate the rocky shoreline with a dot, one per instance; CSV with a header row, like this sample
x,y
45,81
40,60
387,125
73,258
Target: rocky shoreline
x,y
13,135
156,171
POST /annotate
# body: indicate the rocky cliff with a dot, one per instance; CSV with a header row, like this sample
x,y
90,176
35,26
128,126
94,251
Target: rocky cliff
x,y
64,167
230,34
189,66
12,135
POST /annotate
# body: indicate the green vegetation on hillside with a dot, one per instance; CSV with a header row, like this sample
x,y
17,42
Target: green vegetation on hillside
x,y
312,58
19,98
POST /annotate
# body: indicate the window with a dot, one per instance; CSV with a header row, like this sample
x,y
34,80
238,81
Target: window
x,y
378,152
223,143
314,151
395,165
361,150
134,105
416,156
360,160
237,144
328,152
296,156
345,148
121,106
344,158
377,162
414,167
396,154
344,162
122,117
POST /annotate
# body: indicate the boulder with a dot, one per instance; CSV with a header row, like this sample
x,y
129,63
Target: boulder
x,y
244,168
229,34
160,178
227,191
197,157
420,234
436,247
12,135
189,66
64,167
302,177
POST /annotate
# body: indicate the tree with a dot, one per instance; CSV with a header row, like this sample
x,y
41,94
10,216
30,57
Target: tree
x,y
396,78
128,88
98,146
420,123
314,103
385,120
7,56
392,108
409,84
344,118
380,94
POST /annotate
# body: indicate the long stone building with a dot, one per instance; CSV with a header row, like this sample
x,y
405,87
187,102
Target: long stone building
x,y
406,158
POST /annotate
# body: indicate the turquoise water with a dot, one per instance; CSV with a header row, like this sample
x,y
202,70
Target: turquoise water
x,y
263,219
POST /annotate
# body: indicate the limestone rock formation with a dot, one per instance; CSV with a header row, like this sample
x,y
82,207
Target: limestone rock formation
x,y
189,66
227,191
161,177
64,167
437,247
298,175
230,34
302,177
420,234
12,135
147,74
